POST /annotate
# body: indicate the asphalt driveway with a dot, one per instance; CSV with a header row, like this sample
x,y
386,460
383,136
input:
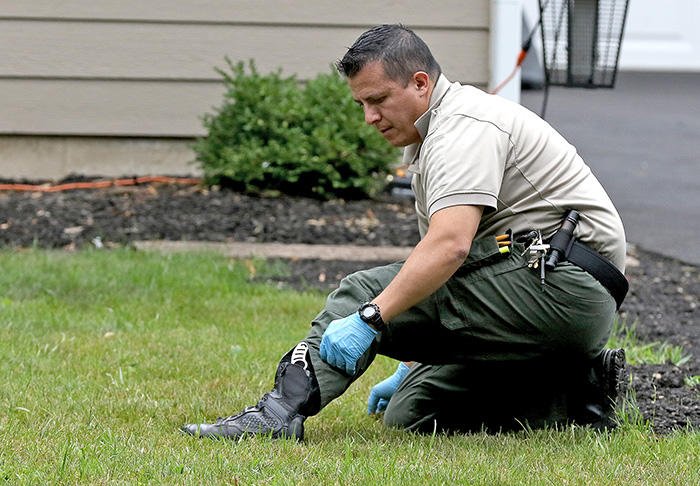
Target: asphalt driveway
x,y
642,140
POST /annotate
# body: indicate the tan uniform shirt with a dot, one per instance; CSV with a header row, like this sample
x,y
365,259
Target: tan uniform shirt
x,y
481,149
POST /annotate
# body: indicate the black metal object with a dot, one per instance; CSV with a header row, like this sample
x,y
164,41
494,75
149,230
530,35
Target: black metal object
x,y
581,41
562,240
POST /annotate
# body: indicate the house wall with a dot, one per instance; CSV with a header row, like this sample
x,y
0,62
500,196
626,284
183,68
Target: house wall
x,y
662,36
120,85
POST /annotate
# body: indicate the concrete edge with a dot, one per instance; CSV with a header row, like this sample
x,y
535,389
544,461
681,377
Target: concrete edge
x,y
296,251
280,250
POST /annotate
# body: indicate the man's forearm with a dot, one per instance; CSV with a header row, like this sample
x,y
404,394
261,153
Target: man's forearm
x,y
433,261
426,270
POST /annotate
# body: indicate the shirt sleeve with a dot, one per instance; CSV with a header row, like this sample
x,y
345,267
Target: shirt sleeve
x,y
463,163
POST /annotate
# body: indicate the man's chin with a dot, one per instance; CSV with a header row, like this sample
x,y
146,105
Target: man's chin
x,y
398,139
396,142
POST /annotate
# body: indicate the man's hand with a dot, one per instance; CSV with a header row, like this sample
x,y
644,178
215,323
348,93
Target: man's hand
x,y
382,392
345,341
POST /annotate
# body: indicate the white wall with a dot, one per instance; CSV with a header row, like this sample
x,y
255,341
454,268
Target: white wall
x,y
662,36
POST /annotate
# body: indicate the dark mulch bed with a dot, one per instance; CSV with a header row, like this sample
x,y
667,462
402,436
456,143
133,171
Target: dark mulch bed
x,y
662,301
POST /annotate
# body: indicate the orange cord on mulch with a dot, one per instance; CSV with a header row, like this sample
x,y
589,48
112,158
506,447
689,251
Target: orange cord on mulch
x,y
69,186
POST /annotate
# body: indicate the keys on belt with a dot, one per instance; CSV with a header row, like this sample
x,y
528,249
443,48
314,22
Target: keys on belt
x,y
560,246
538,251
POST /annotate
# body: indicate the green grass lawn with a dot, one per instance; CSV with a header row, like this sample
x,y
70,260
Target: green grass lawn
x,y
104,354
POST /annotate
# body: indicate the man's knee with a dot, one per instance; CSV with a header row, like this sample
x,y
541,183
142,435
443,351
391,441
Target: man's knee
x,y
409,409
397,416
401,416
413,406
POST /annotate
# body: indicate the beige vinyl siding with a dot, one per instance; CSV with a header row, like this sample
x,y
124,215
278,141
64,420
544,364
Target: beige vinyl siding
x,y
98,107
136,51
146,69
445,13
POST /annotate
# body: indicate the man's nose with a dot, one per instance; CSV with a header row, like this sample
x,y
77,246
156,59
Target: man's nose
x,y
372,115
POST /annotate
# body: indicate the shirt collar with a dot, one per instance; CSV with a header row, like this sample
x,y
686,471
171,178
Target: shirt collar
x,y
422,124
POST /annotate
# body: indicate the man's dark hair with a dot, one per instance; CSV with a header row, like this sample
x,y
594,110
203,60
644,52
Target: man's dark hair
x,y
400,50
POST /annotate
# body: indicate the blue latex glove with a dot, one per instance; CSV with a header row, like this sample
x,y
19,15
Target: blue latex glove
x,y
382,392
345,341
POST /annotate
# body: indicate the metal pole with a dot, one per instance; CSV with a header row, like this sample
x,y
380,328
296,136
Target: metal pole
x,y
505,39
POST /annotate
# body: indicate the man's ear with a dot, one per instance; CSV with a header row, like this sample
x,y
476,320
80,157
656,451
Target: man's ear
x,y
421,81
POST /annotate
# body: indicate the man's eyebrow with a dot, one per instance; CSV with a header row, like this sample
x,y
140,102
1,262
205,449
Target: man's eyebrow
x,y
371,98
375,97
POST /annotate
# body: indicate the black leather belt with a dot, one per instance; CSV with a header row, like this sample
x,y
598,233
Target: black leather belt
x,y
600,268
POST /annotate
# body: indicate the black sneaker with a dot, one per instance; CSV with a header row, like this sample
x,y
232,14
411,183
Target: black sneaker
x,y
279,413
270,417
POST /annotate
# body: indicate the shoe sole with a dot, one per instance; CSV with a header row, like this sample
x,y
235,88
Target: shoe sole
x,y
295,431
615,366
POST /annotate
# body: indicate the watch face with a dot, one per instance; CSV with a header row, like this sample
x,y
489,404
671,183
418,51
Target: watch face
x,y
368,312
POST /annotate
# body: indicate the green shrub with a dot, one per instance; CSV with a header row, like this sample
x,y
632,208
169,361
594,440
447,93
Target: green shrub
x,y
273,134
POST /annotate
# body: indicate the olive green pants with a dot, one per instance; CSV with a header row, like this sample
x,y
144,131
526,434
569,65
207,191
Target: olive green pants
x,y
492,333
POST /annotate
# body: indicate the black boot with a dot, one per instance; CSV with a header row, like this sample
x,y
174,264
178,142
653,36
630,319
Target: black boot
x,y
279,413
613,363
606,387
